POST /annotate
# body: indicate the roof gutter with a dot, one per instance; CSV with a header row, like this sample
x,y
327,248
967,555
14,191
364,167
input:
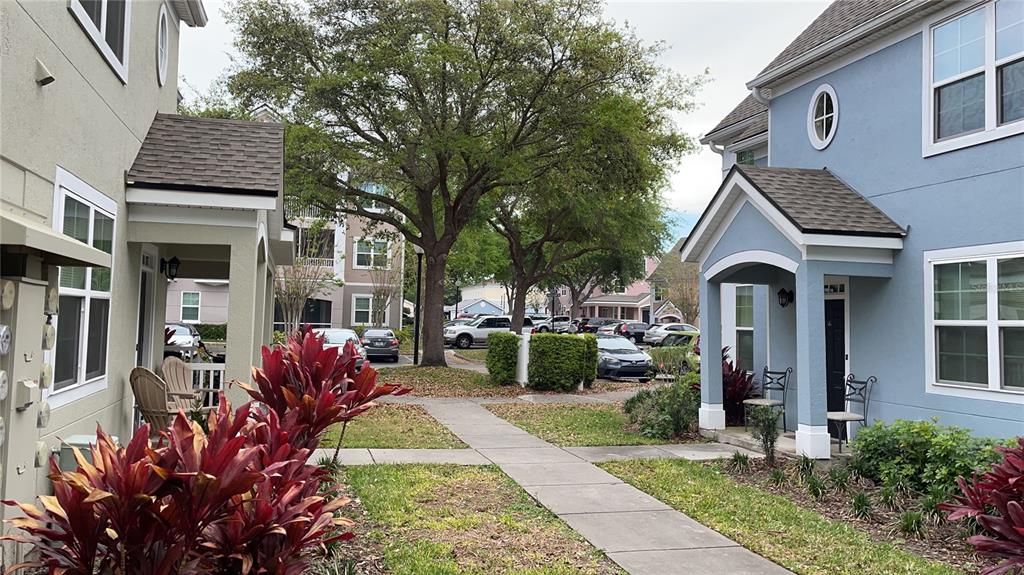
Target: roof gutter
x,y
866,29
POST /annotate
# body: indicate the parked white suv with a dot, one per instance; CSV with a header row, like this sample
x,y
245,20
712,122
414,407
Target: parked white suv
x,y
476,331
656,333
557,324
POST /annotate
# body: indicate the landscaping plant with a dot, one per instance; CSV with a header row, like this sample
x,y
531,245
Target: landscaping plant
x,y
911,524
995,499
764,424
560,362
921,454
737,385
502,356
666,412
805,467
778,477
839,477
240,498
861,505
816,487
739,461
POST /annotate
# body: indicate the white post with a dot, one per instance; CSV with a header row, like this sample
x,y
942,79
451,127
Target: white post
x,y
523,363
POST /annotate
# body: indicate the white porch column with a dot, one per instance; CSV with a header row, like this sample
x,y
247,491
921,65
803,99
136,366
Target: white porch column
x,y
242,348
712,411
812,438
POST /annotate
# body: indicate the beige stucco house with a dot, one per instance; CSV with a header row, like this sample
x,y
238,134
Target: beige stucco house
x,y
100,186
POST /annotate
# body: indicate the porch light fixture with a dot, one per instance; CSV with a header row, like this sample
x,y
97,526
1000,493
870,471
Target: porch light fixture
x,y
170,267
785,297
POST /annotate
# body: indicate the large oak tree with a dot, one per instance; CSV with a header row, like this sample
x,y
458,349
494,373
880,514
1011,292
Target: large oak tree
x,y
439,103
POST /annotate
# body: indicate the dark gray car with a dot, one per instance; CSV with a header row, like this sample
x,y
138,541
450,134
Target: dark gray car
x,y
381,343
618,357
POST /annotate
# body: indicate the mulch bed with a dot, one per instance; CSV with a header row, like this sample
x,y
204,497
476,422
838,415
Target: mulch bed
x,y
942,541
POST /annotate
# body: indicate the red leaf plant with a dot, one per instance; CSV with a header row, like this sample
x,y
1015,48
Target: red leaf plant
x,y
737,385
238,499
996,500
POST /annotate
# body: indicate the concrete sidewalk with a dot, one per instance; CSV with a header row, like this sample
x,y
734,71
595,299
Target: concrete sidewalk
x,y
639,533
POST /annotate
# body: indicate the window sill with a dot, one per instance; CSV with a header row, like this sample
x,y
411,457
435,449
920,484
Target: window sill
x,y
975,392
60,398
973,139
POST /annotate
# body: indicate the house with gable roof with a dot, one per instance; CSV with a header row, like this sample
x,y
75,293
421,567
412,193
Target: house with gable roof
x,y
870,221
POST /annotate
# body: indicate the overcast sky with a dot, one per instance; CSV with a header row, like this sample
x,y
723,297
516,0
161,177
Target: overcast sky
x,y
733,39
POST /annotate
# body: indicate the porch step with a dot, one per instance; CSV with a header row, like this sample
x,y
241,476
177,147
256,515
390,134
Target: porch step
x,y
784,447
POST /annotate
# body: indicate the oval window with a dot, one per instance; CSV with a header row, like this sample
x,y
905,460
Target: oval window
x,y
162,45
822,117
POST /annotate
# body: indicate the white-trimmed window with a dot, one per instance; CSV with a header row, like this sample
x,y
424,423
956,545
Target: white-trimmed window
x,y
371,253
362,309
822,117
975,321
974,76
107,22
190,306
80,353
163,44
744,353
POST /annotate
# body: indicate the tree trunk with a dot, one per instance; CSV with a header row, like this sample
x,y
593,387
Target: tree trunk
x,y
432,315
519,306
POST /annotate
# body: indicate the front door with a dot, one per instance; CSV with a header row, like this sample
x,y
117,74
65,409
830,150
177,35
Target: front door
x,y
835,354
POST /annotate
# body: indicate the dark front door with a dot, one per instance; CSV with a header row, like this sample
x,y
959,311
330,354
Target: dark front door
x,y
835,354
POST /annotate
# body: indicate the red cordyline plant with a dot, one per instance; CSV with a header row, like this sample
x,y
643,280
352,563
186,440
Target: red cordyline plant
x,y
238,499
995,500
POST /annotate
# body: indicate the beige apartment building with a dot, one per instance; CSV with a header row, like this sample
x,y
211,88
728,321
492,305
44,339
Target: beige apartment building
x,y
104,194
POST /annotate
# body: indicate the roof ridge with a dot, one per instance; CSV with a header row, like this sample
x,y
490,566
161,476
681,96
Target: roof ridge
x,y
235,121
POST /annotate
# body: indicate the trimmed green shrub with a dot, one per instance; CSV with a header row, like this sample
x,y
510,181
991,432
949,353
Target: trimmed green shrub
x,y
212,331
922,455
589,359
665,412
559,362
764,423
502,355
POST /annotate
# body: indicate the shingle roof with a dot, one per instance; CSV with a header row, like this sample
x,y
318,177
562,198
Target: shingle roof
x,y
760,126
840,16
745,109
818,202
208,154
617,298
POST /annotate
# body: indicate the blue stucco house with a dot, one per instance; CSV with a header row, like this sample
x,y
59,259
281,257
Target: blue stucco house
x,y
875,177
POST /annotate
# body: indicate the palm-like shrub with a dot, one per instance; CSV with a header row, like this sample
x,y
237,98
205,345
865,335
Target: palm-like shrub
x,y
995,499
240,498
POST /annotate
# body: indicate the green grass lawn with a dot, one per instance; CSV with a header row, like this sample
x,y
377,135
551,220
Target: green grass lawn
x,y
796,538
449,519
570,425
447,382
394,426
478,355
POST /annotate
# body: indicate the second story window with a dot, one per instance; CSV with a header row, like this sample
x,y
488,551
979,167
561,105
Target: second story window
x,y
822,117
107,23
371,254
975,76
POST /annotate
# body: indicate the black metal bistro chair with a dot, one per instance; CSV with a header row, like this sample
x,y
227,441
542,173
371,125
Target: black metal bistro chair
x,y
770,381
857,391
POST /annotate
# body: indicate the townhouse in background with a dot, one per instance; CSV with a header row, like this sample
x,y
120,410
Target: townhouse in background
x,y
104,193
871,219
358,258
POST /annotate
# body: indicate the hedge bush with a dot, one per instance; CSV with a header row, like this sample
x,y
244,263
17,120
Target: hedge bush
x,y
668,411
561,362
589,359
921,455
212,331
502,356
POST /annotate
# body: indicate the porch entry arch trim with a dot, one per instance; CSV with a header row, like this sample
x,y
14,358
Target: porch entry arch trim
x,y
751,257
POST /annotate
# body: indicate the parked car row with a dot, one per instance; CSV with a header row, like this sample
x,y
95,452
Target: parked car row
x,y
475,332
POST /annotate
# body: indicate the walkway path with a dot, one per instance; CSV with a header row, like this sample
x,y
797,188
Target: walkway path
x,y
639,533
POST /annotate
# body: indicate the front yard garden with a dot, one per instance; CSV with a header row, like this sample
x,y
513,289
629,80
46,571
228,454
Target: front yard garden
x,y
573,425
396,426
771,525
447,382
447,519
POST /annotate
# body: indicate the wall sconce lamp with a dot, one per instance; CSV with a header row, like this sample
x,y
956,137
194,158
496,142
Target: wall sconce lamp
x,y
785,297
170,267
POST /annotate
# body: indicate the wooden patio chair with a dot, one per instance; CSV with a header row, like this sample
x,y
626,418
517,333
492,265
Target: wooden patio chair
x,y
178,378
157,404
857,391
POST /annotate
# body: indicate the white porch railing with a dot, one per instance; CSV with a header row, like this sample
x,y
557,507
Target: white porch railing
x,y
320,262
208,380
